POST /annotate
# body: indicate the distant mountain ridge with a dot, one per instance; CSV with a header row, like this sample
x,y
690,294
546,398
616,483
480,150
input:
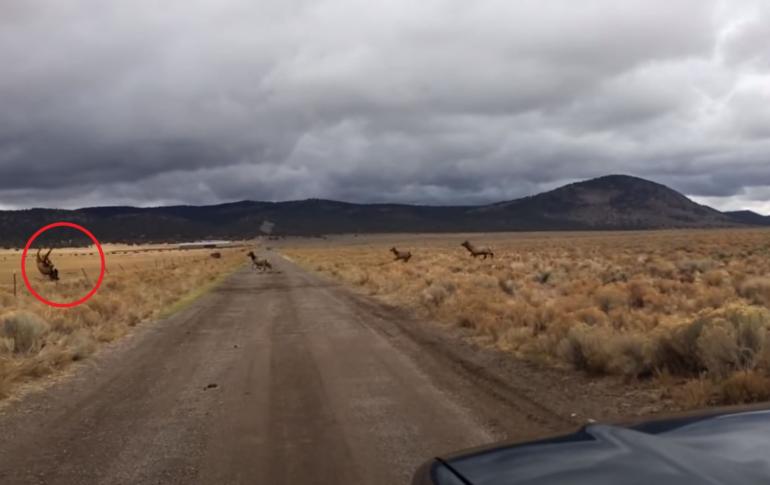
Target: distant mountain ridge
x,y
613,202
749,217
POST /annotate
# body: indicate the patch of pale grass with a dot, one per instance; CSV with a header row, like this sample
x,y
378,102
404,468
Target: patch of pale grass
x,y
25,329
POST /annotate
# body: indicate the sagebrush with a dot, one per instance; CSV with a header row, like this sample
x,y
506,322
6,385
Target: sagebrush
x,y
688,304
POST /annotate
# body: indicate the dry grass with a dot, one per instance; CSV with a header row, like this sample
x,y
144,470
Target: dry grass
x,y
691,305
37,340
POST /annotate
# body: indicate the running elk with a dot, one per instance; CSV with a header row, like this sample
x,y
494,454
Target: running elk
x,y
475,252
260,264
46,267
404,256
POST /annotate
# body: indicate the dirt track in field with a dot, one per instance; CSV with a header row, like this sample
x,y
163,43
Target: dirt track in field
x,y
283,378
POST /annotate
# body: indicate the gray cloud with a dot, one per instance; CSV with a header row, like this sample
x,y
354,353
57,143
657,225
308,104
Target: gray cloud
x,y
443,101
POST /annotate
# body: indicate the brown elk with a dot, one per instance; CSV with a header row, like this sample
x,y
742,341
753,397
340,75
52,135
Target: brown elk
x,y
46,267
475,252
257,263
404,256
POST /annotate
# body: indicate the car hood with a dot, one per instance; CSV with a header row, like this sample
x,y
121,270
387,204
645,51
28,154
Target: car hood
x,y
726,449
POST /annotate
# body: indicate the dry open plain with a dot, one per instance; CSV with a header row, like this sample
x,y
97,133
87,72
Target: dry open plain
x,y
684,310
284,377
141,283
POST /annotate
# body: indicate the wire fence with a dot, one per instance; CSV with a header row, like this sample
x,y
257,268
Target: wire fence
x,y
75,266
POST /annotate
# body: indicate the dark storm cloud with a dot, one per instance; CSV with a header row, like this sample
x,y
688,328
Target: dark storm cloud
x,y
443,101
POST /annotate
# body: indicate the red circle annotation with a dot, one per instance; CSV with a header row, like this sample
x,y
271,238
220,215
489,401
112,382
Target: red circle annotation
x,y
101,259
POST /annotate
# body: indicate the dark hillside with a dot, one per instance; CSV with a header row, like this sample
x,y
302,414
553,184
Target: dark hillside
x,y
606,203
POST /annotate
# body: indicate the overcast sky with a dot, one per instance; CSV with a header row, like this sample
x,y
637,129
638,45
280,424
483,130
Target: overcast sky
x,y
435,101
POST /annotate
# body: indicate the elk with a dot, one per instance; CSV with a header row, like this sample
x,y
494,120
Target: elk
x,y
262,265
475,252
404,256
257,263
46,267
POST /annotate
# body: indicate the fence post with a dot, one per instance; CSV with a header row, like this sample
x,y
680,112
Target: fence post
x,y
85,275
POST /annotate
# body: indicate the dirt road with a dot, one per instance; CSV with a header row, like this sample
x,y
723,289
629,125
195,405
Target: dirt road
x,y
279,378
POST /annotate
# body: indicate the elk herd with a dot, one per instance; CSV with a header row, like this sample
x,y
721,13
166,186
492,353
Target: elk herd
x,y
474,251
46,267
261,264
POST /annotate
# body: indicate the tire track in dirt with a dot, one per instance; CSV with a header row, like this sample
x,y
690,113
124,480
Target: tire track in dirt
x,y
277,378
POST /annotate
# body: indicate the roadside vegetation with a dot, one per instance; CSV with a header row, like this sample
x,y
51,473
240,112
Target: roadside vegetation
x,y
689,309
37,340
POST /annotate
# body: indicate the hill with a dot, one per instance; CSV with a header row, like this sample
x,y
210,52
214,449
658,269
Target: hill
x,y
612,202
749,217
606,203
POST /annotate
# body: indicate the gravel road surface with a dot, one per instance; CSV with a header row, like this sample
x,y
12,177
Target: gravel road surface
x,y
271,378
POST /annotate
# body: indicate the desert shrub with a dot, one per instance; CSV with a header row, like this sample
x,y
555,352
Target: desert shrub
x,y
80,345
601,351
718,344
695,393
744,387
715,277
667,287
86,316
105,305
631,355
610,297
696,265
622,320
592,316
514,337
477,314
572,302
714,297
6,346
61,324
614,275
662,269
357,276
583,349
751,327
390,285
641,294
507,285
677,350
542,277
717,348
483,281
437,292
756,289
26,329
542,318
